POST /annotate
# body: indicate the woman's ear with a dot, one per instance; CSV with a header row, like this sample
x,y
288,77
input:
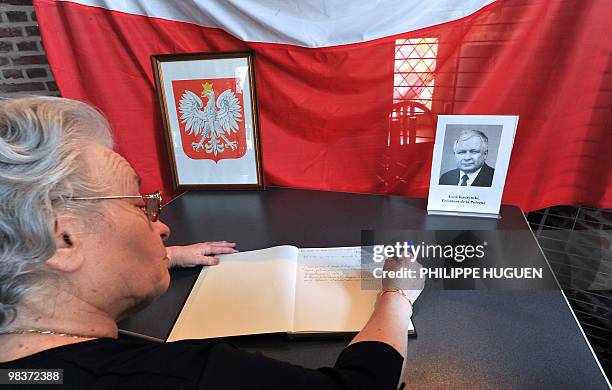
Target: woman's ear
x,y
68,257
63,240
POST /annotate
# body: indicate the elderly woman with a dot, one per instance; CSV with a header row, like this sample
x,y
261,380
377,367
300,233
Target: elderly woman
x,y
80,249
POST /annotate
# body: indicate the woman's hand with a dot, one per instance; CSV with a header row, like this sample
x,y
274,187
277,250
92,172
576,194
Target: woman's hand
x,y
413,284
391,316
199,254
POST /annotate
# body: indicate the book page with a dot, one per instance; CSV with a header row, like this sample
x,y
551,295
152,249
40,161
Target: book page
x,y
329,294
248,292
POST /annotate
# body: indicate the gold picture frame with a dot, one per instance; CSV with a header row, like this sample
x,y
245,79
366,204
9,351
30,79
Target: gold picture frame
x,y
209,109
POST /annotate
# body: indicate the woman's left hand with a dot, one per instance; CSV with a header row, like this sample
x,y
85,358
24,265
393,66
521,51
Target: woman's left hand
x,y
199,254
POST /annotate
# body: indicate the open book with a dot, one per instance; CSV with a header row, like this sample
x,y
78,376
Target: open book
x,y
278,289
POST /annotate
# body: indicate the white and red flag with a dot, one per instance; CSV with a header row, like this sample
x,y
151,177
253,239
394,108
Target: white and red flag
x,y
349,91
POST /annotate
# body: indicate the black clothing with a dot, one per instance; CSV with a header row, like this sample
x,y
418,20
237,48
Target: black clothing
x,y
484,178
129,363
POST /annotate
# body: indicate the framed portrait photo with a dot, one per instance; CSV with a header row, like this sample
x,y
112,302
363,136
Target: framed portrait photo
x,y
470,162
209,109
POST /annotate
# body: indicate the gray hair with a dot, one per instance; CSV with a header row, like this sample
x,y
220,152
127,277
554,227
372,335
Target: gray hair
x,y
467,134
41,144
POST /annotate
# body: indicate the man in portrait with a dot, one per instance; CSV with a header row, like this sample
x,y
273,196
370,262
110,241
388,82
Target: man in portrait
x,y
470,149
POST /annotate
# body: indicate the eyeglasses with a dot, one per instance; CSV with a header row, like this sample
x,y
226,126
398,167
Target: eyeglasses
x,y
152,203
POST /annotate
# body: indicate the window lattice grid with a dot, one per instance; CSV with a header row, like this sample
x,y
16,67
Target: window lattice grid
x,y
415,64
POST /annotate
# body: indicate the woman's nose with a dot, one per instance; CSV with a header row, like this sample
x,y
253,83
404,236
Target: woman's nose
x,y
163,230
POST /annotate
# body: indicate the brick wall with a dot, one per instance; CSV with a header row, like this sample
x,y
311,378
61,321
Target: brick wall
x,y
23,64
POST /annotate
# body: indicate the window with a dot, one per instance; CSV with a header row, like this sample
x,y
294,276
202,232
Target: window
x,y
415,63
411,120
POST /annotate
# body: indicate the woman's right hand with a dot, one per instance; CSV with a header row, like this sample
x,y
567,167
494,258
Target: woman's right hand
x,y
412,284
391,317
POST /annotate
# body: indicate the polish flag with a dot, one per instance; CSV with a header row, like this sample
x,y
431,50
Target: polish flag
x,y
349,91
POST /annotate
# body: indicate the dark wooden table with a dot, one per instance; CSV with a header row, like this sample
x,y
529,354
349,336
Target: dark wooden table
x,y
520,339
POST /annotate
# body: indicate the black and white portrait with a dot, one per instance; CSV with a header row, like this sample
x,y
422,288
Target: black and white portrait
x,y
469,155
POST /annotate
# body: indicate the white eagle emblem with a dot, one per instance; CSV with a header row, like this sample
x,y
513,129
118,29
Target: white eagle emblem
x,y
215,122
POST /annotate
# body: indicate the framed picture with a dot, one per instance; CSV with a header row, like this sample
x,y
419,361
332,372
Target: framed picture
x,y
209,110
470,161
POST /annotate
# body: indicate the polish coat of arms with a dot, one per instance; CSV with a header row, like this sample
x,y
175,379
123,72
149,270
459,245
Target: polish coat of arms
x,y
211,121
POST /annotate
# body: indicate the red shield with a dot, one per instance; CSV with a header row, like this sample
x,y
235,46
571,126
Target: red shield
x,y
179,87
